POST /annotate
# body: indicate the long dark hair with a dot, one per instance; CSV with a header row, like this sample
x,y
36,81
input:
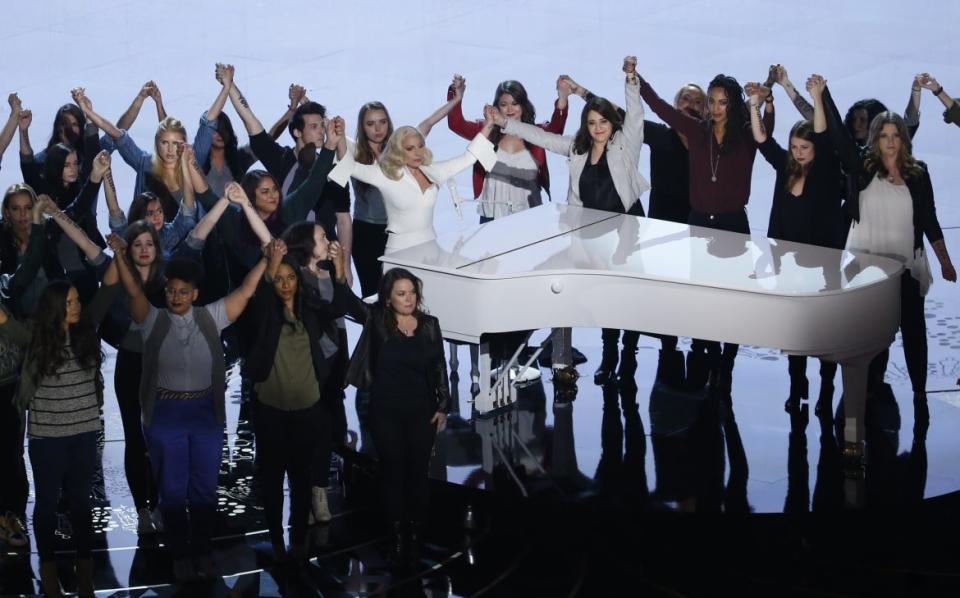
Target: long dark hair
x,y
274,223
582,142
155,278
803,129
297,309
231,151
362,154
872,106
138,207
519,93
737,115
49,341
60,125
57,156
300,243
390,277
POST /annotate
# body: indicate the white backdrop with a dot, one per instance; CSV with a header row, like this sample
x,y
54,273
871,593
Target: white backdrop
x,y
404,54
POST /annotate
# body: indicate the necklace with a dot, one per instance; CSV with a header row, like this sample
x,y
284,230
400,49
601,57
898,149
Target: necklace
x,y
714,164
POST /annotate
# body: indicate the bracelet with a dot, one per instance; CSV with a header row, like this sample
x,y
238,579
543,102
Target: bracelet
x,y
938,91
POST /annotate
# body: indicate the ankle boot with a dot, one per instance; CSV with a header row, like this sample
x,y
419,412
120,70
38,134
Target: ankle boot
x,y
799,391
50,580
608,365
85,578
628,365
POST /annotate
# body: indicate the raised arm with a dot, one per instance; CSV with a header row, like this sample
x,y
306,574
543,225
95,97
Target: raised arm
x,y
911,114
845,145
203,228
127,119
24,119
479,150
117,218
80,97
815,86
139,305
453,105
250,121
236,302
756,125
633,121
236,195
780,76
297,95
10,127
70,228
15,285
683,123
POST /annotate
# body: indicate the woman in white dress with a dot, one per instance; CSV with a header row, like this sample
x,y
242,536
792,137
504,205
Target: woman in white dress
x,y
410,180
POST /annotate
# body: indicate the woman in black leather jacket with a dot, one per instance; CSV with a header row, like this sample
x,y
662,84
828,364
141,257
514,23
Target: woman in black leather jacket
x,y
400,359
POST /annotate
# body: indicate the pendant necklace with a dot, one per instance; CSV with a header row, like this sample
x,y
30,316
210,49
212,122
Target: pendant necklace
x,y
714,164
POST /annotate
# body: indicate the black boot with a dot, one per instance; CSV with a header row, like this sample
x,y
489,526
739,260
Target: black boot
x,y
608,365
799,391
628,366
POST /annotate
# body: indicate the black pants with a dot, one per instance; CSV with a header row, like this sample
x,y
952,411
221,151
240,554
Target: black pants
x,y
369,243
403,436
334,431
64,465
14,489
734,222
797,366
913,329
286,441
611,336
136,462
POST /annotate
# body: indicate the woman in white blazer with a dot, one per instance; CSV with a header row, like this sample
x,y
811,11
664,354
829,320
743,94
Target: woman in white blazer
x,y
410,180
603,158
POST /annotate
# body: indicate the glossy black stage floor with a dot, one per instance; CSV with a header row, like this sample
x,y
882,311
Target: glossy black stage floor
x,y
589,494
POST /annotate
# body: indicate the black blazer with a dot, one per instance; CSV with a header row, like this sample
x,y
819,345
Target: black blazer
x,y
364,359
858,176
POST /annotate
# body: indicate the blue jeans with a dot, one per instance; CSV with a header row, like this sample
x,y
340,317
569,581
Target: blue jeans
x,y
66,464
184,440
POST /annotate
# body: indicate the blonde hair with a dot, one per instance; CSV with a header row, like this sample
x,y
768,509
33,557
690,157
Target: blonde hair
x,y
12,191
698,89
391,158
167,125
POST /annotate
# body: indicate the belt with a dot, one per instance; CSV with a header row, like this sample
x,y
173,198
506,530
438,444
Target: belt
x,y
182,395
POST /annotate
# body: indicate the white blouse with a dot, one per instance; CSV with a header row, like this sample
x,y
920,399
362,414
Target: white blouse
x,y
886,229
410,210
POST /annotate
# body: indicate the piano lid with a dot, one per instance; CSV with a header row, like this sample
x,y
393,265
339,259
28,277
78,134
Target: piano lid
x,y
562,239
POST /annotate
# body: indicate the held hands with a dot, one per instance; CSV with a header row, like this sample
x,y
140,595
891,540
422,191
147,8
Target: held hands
x,y
101,164
815,85
45,204
565,87
15,106
79,95
458,85
224,74
335,131
440,420
630,65
335,255
927,81
275,250
116,244
492,116
752,89
575,88
24,120
235,194
297,95
779,73
147,90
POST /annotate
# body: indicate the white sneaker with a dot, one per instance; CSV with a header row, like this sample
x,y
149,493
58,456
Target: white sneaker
x,y
319,507
145,524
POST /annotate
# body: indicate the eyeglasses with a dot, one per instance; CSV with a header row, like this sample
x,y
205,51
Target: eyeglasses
x,y
182,293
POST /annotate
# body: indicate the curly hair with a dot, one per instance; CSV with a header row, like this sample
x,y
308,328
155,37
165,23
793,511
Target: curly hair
x,y
49,340
737,116
391,158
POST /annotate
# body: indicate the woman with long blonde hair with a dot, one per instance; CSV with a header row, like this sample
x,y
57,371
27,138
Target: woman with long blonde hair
x,y
409,180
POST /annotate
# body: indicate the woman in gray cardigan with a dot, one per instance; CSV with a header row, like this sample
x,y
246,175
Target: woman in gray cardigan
x,y
603,158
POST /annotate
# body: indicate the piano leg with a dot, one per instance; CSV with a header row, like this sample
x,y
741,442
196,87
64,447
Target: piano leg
x,y
484,402
854,371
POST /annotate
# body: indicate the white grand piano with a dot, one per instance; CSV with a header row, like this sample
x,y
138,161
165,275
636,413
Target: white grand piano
x,y
564,266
